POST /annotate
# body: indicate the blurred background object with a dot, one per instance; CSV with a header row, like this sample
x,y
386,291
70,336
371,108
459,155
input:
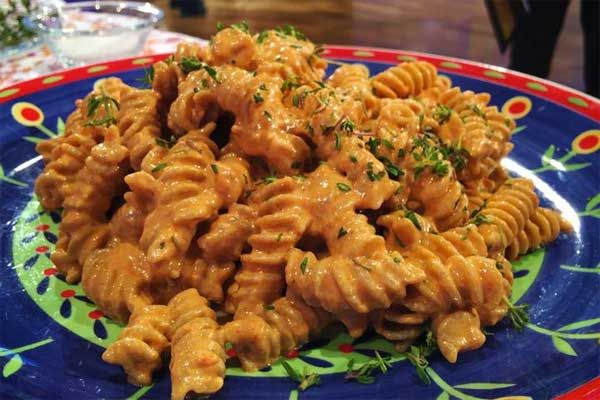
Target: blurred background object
x,y
458,28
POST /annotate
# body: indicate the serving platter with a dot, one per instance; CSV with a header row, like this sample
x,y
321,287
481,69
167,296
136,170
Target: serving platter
x,y
52,336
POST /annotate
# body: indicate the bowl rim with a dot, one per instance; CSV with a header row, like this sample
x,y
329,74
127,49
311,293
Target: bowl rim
x,y
151,16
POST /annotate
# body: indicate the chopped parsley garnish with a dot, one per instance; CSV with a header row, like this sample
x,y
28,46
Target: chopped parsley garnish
x,y
305,380
269,179
358,264
391,169
429,153
353,158
241,26
347,126
296,100
343,187
290,30
480,219
159,167
374,176
148,77
167,144
108,104
220,26
338,141
290,83
366,373
279,236
342,232
189,64
215,168
269,307
258,98
267,115
412,216
442,113
387,144
303,265
373,143
296,164
477,111
262,37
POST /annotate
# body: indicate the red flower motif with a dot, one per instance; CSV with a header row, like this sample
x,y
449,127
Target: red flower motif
x,y
65,294
346,348
292,354
95,314
50,271
42,227
41,249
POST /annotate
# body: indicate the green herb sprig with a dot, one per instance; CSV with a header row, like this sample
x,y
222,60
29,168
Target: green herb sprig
x,y
366,373
517,314
305,380
189,64
108,104
417,356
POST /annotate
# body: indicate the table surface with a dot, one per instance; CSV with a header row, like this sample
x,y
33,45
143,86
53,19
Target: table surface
x,y
457,28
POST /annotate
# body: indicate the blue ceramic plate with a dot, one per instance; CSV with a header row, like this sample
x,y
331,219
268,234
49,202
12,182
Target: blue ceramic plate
x,y
52,336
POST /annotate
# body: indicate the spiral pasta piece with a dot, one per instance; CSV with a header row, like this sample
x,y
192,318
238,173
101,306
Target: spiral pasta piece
x,y
442,199
139,123
141,344
261,338
68,158
544,226
405,79
117,280
228,234
506,213
453,280
354,79
191,188
282,220
456,332
197,347
83,228
340,284
399,325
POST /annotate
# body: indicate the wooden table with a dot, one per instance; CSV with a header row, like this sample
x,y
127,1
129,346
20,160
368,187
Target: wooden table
x,y
458,28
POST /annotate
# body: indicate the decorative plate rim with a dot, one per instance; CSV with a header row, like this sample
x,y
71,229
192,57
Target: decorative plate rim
x,y
567,97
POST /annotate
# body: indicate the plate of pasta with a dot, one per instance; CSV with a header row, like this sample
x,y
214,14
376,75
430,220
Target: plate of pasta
x,y
261,216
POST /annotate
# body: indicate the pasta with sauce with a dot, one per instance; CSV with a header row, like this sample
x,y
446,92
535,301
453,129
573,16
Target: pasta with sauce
x,y
244,182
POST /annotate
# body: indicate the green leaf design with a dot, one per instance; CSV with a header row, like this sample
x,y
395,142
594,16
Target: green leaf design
x,y
484,385
518,129
593,202
577,166
577,268
293,395
140,392
563,346
33,139
443,396
548,154
12,366
60,126
580,324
